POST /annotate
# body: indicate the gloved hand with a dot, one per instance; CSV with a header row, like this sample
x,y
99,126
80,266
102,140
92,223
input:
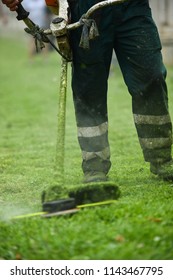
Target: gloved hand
x,y
11,4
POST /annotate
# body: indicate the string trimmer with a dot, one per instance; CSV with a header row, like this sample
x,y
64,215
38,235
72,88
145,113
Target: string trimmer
x,y
91,193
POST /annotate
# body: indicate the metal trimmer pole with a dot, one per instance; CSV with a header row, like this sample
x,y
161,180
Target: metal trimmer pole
x,y
59,168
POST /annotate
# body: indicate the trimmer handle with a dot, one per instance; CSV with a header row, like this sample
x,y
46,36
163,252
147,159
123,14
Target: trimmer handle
x,y
21,12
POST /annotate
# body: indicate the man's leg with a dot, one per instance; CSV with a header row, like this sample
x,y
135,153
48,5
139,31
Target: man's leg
x,y
90,72
89,92
138,50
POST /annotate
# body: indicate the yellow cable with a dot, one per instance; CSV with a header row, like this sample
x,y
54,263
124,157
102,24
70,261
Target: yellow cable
x,y
96,203
30,215
78,207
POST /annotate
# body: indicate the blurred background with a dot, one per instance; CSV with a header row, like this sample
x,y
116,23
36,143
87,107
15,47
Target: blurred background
x,y
10,27
162,13
163,16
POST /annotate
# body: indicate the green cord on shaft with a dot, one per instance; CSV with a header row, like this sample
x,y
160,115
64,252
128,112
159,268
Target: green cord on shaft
x,y
59,168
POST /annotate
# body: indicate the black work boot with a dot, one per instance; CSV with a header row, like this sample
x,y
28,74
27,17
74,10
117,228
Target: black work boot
x,y
94,176
163,170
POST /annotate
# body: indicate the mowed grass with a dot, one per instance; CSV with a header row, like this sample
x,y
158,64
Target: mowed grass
x,y
138,226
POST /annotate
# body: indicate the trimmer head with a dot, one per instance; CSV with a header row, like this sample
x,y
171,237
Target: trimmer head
x,y
86,195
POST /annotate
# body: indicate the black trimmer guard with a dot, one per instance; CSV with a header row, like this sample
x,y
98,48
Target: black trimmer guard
x,y
59,205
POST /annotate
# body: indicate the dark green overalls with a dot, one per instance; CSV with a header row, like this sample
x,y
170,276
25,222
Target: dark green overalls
x,y
129,30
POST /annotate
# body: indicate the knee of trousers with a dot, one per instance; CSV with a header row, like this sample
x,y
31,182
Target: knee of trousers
x,y
148,83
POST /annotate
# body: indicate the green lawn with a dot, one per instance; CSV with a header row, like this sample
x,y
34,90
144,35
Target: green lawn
x,y
138,226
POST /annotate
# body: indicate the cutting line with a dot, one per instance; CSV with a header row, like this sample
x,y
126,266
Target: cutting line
x,y
29,215
96,204
78,207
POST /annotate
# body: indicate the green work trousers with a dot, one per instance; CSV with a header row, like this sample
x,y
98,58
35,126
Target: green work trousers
x,y
129,30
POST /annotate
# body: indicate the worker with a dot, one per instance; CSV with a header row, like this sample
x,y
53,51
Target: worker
x,y
129,30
